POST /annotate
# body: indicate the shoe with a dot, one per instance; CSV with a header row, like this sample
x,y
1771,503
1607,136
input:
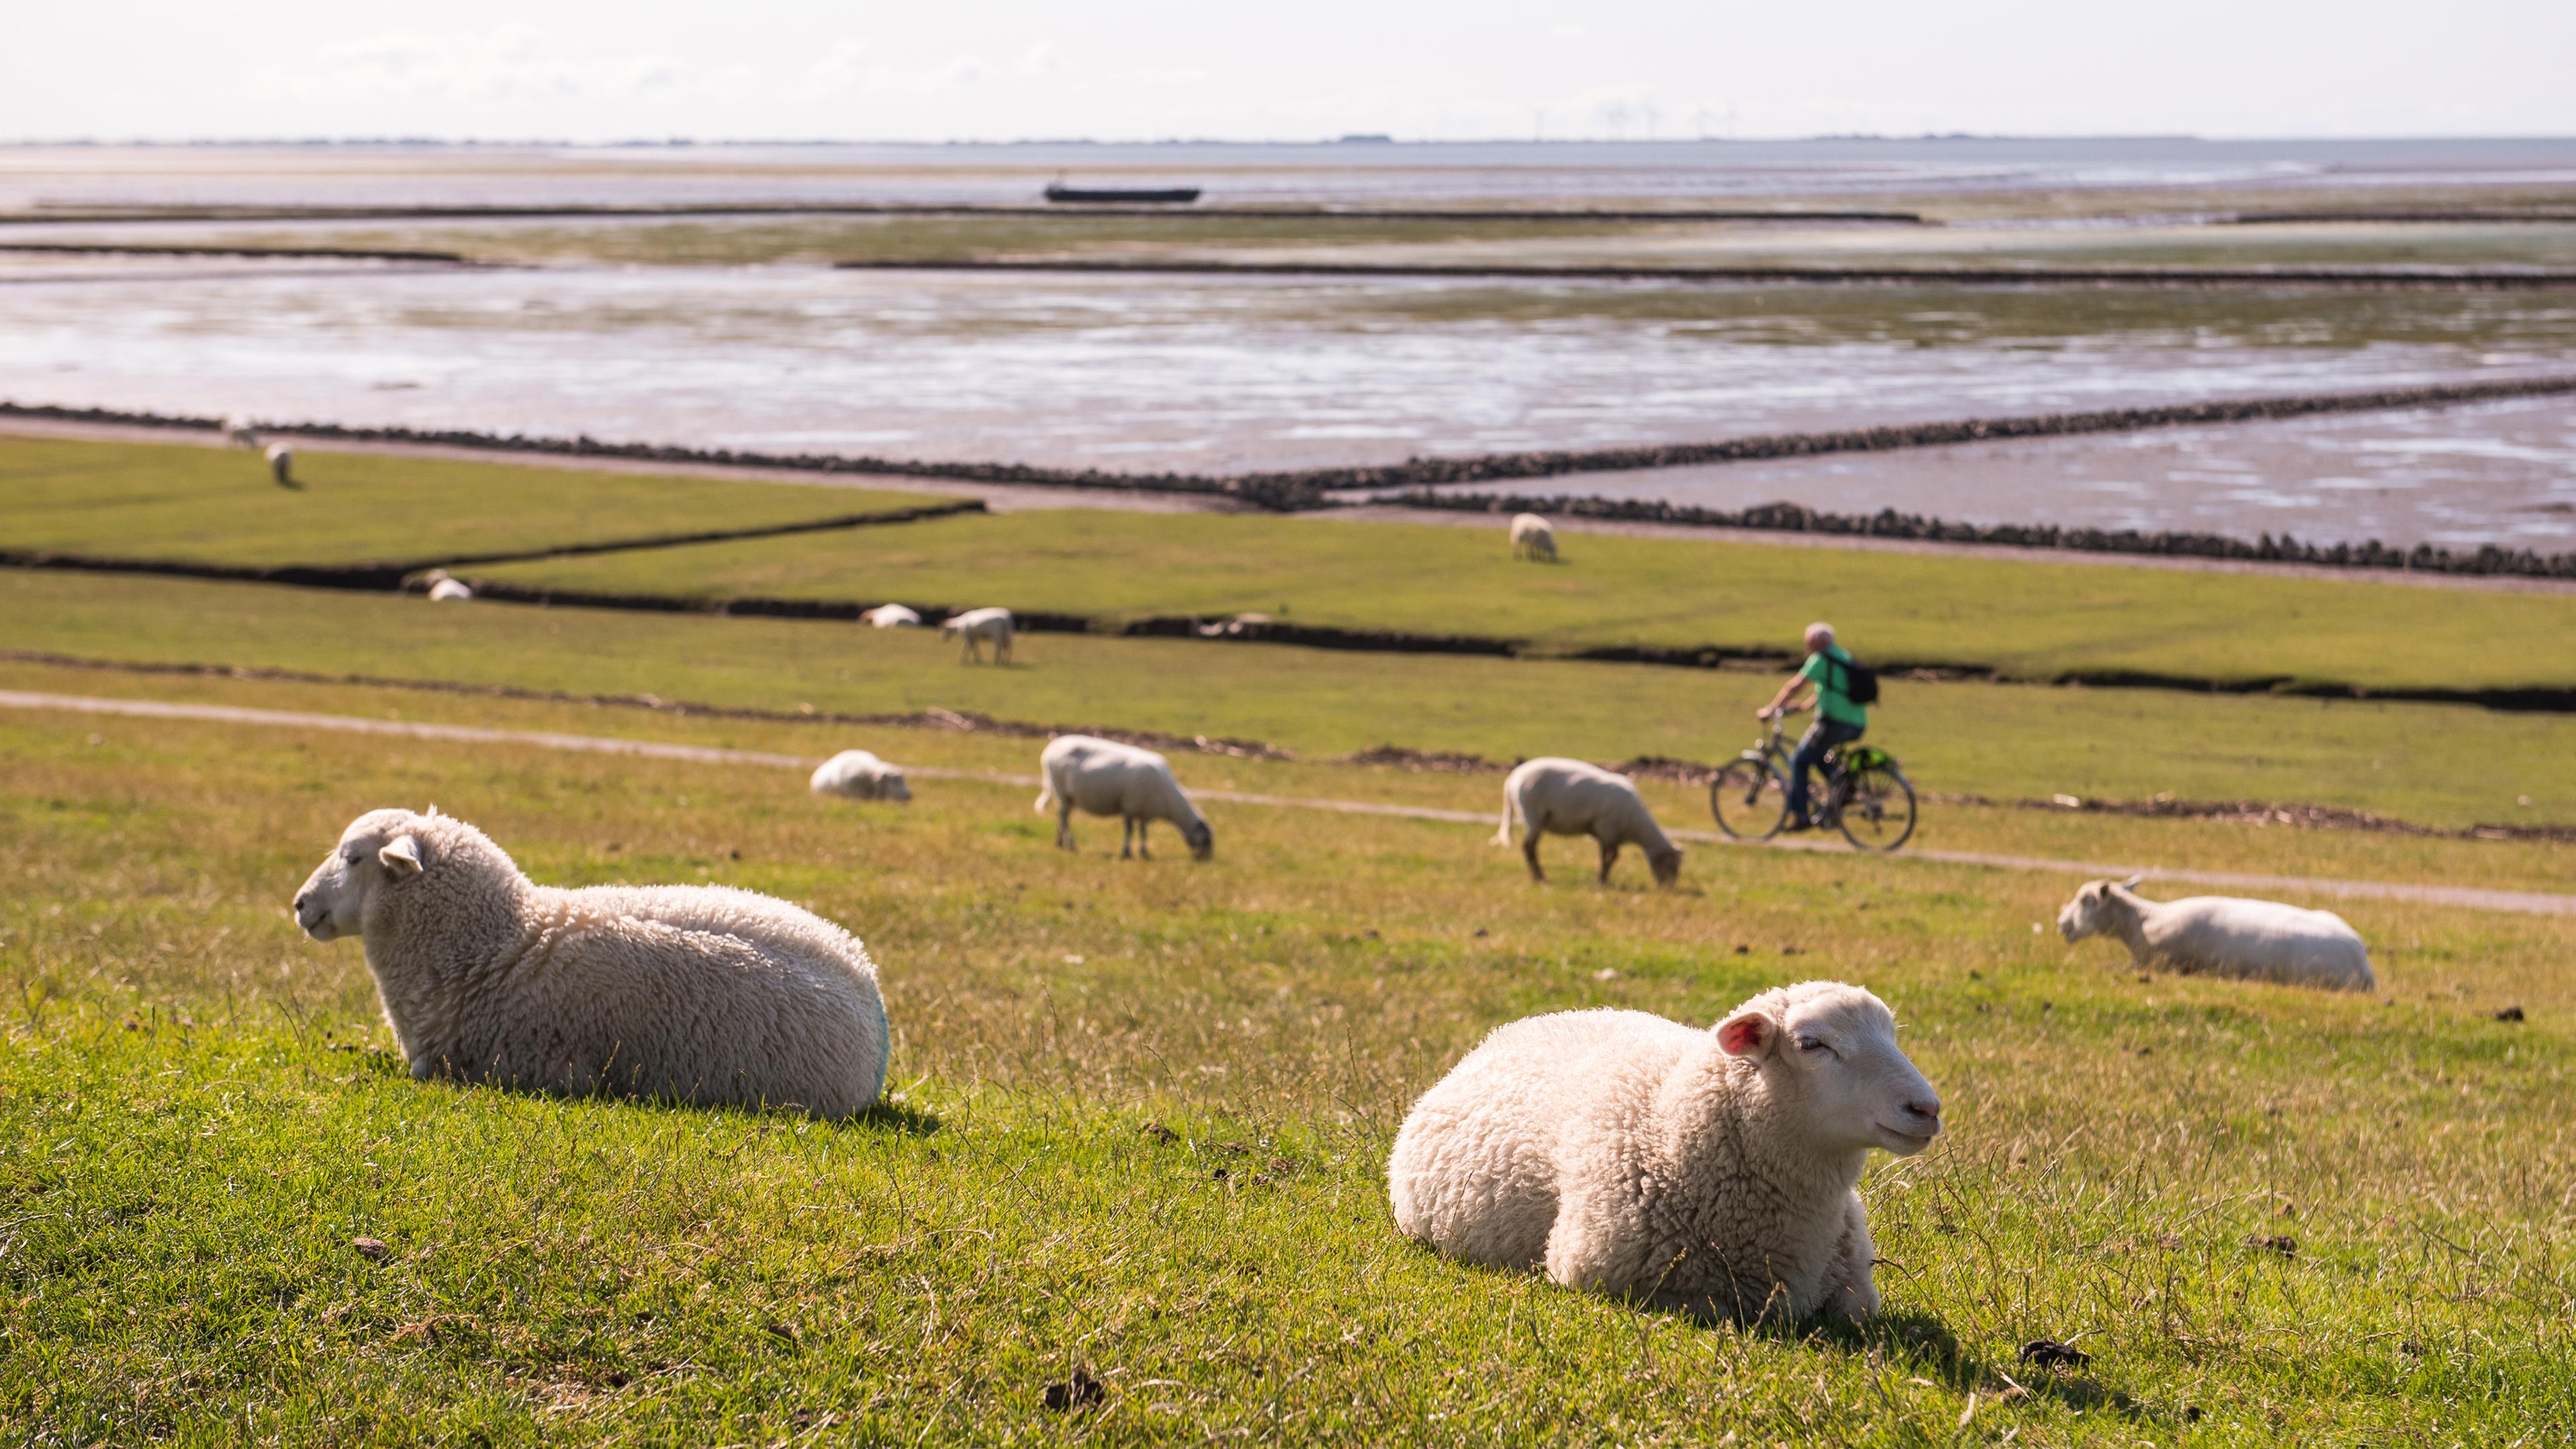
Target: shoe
x,y
1794,826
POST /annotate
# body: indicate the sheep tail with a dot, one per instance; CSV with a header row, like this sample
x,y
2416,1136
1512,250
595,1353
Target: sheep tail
x,y
1511,812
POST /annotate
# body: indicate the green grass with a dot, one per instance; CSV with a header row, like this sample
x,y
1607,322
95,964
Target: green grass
x,y
2026,620
2444,765
197,1123
206,505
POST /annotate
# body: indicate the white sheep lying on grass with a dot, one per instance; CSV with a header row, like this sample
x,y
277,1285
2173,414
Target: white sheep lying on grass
x,y
690,993
1532,537
1706,1170
449,591
1104,777
892,616
977,625
281,464
2223,936
1570,797
859,775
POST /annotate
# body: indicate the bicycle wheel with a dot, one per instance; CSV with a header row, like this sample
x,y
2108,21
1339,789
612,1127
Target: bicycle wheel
x,y
1749,800
1877,807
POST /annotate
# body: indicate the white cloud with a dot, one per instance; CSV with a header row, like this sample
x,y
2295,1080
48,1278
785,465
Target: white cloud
x,y
510,63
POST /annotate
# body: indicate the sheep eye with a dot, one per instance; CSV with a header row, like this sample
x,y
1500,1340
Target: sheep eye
x,y
1812,1044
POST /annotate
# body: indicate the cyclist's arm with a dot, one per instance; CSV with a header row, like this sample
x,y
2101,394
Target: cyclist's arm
x,y
1780,704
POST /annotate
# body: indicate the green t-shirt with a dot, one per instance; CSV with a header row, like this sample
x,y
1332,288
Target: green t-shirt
x,y
1831,702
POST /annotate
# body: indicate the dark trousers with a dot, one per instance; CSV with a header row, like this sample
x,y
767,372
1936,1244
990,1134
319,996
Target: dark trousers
x,y
1821,736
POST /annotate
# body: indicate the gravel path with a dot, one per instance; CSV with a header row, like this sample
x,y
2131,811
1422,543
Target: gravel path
x,y
2463,897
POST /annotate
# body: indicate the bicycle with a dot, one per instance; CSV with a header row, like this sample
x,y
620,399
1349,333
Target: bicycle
x,y
1865,794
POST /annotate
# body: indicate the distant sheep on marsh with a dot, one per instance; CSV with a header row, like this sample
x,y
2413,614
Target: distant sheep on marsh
x,y
1533,538
975,627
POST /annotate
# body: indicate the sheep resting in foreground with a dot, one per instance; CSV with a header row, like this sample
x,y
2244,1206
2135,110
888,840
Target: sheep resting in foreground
x,y
1532,537
1706,1170
2223,936
1570,797
1104,777
701,994
977,625
281,464
892,616
860,775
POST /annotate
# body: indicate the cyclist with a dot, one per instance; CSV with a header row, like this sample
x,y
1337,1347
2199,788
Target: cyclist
x,y
1839,721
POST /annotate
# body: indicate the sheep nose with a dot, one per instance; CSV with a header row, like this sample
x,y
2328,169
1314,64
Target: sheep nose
x,y
1927,1111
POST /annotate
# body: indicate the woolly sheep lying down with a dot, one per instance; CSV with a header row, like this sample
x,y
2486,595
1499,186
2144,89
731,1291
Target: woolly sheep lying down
x,y
702,994
892,616
1573,797
2223,936
1706,1170
859,775
1104,777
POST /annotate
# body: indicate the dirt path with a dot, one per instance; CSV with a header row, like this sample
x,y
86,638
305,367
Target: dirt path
x,y
2462,897
1005,498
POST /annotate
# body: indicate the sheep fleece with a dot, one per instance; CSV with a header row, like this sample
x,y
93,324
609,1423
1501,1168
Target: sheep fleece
x,y
697,993
1547,1146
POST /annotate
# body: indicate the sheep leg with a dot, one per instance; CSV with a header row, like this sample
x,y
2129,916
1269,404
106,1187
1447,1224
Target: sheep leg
x,y
1142,825
1529,852
1609,855
1064,825
1126,837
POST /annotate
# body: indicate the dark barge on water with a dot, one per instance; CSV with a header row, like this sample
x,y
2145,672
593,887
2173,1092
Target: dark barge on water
x,y
1123,195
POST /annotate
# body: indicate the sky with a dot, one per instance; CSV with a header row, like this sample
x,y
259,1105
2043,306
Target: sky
x,y
1146,70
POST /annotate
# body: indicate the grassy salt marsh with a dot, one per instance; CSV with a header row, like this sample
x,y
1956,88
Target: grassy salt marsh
x,y
2008,742
206,505
199,1125
2026,620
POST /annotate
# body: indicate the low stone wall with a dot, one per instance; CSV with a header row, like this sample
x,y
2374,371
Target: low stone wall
x,y
1888,523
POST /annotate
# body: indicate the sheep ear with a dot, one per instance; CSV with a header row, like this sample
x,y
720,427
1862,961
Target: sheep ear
x,y
401,857
2132,882
433,810
1748,1034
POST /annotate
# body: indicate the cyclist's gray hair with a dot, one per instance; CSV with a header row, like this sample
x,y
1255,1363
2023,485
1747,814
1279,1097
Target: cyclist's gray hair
x,y
1821,627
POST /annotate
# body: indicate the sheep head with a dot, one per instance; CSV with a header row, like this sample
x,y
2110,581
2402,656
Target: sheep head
x,y
380,850
1666,864
1202,840
1828,1056
2092,911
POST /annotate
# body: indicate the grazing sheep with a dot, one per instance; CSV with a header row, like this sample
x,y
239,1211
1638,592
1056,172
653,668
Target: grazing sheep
x,y
892,616
281,464
449,591
240,432
1104,777
977,625
1710,1171
1532,537
859,775
695,993
1569,797
2223,936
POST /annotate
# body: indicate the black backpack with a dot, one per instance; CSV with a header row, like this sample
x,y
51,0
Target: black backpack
x,y
1860,682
